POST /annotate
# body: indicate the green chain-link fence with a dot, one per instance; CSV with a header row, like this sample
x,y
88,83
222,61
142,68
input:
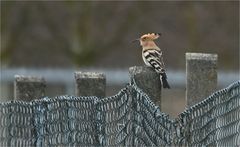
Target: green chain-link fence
x,y
129,118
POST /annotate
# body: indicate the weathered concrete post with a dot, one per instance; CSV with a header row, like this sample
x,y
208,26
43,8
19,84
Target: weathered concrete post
x,y
148,80
28,88
90,84
201,72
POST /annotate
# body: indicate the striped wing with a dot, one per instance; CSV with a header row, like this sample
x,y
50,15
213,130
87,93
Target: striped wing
x,y
155,59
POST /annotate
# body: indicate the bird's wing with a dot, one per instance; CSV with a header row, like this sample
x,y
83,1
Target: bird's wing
x,y
155,58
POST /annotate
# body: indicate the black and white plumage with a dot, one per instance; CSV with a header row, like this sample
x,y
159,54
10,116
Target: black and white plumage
x,y
152,57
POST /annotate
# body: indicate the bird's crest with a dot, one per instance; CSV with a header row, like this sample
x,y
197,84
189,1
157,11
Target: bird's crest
x,y
150,36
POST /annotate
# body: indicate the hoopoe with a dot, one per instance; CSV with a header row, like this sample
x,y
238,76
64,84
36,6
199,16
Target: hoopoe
x,y
153,56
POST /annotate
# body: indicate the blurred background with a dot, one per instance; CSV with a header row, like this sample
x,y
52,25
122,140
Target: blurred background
x,y
54,39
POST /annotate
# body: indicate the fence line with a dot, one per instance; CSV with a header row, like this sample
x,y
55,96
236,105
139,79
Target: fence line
x,y
129,118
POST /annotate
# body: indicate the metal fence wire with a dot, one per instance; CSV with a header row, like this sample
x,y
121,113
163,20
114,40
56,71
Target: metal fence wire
x,y
129,118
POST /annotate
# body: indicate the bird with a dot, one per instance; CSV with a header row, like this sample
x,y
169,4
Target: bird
x,y
153,56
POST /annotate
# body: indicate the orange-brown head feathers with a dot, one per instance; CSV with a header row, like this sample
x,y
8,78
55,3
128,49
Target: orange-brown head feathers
x,y
146,40
150,36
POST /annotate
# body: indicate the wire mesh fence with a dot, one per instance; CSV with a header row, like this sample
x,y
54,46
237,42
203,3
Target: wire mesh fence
x,y
129,118
212,122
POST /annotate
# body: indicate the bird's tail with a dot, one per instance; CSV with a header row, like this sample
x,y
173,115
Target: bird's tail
x,y
164,81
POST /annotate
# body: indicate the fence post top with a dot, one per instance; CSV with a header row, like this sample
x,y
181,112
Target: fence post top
x,y
22,78
201,56
92,75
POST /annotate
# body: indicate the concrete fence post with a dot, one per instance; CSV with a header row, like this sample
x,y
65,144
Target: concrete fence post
x,y
201,72
90,84
148,80
28,88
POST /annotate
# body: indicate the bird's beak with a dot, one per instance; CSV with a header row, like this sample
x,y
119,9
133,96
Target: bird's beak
x,y
135,40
